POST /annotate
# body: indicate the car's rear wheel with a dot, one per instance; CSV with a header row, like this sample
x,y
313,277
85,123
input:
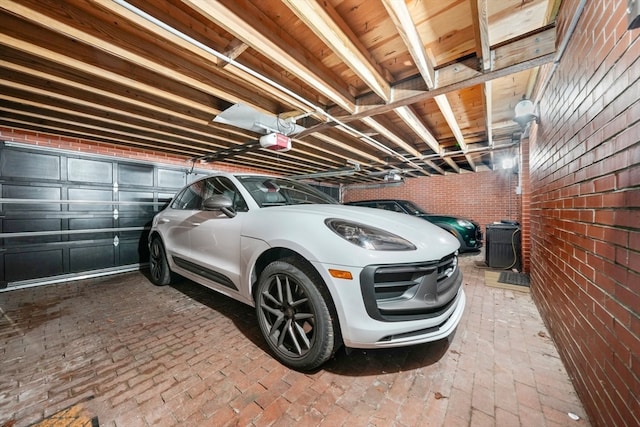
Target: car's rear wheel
x,y
158,266
294,315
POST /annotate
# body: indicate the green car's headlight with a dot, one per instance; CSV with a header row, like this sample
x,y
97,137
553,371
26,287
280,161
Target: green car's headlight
x,y
464,223
368,237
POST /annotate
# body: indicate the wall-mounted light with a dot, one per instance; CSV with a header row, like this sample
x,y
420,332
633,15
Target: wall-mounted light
x,y
508,162
525,113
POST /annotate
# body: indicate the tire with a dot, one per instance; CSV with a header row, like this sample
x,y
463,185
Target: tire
x,y
159,271
294,316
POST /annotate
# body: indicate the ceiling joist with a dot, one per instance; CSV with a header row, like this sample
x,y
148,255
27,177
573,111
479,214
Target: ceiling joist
x,y
421,87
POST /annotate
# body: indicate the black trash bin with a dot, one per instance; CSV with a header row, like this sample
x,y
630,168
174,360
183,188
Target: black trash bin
x,y
502,246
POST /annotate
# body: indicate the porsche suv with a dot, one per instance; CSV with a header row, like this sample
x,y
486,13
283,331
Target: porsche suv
x,y
468,233
320,275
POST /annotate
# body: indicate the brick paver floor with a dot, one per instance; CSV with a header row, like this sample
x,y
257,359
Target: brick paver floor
x,y
132,354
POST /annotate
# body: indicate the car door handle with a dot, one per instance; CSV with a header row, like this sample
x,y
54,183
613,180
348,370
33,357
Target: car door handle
x,y
164,220
195,224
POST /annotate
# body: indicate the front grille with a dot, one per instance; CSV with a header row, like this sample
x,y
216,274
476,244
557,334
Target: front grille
x,y
410,291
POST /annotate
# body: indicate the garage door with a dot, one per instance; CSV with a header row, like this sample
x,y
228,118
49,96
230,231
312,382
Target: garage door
x,y
65,215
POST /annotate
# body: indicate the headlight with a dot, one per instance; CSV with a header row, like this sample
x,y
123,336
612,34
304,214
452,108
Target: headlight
x,y
368,237
464,223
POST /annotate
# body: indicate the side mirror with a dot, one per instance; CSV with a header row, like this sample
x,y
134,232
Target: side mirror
x,y
219,203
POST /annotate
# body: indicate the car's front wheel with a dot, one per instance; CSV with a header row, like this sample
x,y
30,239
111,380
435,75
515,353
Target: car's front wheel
x,y
294,315
158,266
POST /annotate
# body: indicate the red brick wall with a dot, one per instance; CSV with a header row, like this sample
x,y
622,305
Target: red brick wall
x,y
585,211
485,197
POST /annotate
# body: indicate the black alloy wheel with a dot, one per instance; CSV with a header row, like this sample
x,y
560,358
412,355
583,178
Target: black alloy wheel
x,y
294,316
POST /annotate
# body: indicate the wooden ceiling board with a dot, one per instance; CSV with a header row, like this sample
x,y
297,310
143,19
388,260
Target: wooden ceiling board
x,y
104,71
530,14
445,27
505,90
137,47
467,105
432,117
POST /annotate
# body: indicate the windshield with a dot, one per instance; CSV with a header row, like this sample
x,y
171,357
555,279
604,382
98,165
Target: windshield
x,y
270,191
412,209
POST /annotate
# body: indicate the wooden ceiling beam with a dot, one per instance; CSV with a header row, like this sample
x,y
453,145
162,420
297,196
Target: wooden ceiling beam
x,y
370,121
435,167
460,75
416,125
98,72
480,19
452,163
241,24
102,44
232,51
71,106
235,48
408,94
130,103
399,13
347,147
136,85
535,49
327,25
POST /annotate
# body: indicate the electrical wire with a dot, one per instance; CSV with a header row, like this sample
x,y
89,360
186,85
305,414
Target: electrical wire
x,y
513,248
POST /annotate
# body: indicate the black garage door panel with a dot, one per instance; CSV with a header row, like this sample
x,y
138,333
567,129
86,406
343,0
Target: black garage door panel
x,y
90,171
134,200
63,214
33,264
22,164
170,178
133,250
33,225
92,196
135,175
89,223
30,192
92,258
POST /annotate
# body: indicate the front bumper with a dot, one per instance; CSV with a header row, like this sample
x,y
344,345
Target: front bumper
x,y
372,315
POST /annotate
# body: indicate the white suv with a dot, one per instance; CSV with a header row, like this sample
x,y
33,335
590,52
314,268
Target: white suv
x,y
319,274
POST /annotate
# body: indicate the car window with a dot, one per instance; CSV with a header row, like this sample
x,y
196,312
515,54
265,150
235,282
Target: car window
x,y
271,191
190,198
193,196
389,206
412,208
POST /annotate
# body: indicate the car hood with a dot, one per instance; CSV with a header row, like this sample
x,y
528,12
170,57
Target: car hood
x,y
305,225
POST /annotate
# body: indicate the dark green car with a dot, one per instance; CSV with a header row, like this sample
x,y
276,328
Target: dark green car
x,y
468,232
